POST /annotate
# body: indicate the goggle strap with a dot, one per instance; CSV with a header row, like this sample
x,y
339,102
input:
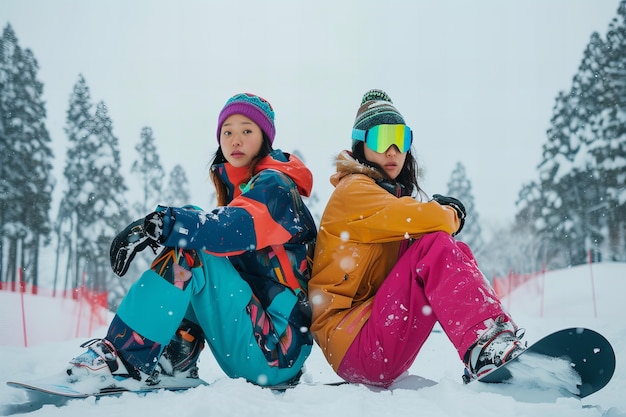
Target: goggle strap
x,y
358,134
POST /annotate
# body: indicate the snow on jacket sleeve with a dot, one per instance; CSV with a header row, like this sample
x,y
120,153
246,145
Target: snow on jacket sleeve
x,y
266,213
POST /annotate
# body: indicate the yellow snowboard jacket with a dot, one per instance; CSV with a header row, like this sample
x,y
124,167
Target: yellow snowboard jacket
x,y
358,244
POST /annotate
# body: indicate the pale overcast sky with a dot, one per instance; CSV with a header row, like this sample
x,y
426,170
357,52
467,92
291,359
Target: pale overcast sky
x,y
475,80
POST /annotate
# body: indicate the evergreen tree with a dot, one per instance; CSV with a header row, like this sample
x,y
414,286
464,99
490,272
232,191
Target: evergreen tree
x,y
150,172
569,178
9,166
590,192
26,184
93,208
610,152
529,204
107,203
74,209
532,216
177,192
460,187
581,177
558,152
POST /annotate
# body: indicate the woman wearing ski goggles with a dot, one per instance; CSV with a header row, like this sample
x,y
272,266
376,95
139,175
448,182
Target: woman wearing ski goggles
x,y
387,267
380,137
386,145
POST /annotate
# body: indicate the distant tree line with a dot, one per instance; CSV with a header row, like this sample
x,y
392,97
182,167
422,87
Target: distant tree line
x,y
93,207
577,206
26,182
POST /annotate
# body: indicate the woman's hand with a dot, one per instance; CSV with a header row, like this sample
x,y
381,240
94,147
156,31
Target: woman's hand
x,y
455,204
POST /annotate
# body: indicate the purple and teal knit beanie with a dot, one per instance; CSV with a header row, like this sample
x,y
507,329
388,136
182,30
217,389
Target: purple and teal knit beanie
x,y
253,107
376,109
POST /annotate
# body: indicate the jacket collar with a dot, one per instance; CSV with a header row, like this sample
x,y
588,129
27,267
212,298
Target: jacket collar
x,y
347,165
236,178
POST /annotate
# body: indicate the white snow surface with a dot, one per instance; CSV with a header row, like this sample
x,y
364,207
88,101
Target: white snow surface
x,y
583,296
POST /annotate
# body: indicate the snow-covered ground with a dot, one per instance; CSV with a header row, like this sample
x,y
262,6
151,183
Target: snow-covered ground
x,y
576,297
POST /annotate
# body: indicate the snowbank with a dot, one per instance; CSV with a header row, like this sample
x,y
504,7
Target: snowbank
x,y
433,388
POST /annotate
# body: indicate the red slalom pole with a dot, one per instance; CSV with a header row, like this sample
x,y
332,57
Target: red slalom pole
x,y
22,289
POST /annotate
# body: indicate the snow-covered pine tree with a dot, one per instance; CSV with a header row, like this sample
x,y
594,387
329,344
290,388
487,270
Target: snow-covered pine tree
x,y
108,206
557,151
177,193
148,169
74,211
570,178
530,248
582,173
26,157
609,151
460,187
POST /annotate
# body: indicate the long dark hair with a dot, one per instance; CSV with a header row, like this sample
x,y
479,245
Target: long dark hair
x,y
407,177
221,189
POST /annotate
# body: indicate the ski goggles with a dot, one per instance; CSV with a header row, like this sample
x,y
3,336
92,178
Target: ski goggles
x,y
381,137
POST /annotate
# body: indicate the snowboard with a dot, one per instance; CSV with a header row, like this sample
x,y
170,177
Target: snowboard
x,y
57,386
284,387
579,361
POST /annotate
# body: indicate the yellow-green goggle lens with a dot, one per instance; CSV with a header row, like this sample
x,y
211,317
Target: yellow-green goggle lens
x,y
381,137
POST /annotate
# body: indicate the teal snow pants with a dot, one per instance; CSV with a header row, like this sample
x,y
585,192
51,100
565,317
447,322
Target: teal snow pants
x,y
217,299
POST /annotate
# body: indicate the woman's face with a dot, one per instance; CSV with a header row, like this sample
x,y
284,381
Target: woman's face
x,y
392,160
241,140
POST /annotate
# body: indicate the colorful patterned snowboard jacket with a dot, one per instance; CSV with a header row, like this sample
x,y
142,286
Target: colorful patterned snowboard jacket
x,y
268,234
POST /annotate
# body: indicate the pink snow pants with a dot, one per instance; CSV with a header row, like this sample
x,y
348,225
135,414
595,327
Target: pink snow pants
x,y
435,280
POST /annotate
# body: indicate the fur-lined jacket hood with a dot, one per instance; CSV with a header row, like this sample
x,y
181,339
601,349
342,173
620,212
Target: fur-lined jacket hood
x,y
346,165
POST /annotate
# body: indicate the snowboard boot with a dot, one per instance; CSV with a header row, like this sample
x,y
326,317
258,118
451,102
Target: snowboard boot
x,y
181,355
100,361
496,346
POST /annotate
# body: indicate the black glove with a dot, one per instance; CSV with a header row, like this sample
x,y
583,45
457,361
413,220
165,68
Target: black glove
x,y
127,243
154,225
455,204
